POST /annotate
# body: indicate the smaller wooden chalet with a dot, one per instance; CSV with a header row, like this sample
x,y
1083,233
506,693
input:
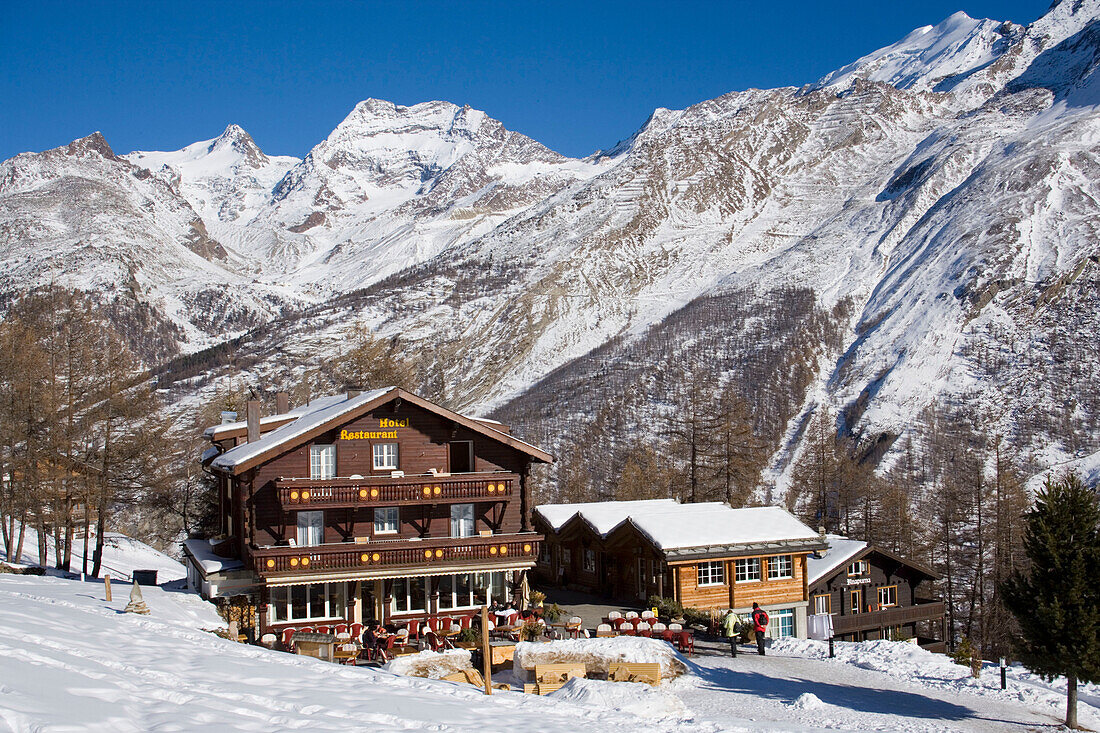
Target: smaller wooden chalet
x,y
705,555
872,593
366,506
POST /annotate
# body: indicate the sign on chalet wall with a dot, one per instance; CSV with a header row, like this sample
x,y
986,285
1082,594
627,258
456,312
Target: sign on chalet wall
x,y
384,422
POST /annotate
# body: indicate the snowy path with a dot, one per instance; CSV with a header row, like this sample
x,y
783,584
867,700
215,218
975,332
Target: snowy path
x,y
766,693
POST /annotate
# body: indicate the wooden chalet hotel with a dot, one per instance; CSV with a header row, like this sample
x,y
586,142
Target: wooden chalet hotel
x,y
705,555
366,506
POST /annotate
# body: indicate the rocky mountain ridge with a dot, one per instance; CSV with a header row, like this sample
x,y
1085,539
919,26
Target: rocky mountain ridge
x,y
937,196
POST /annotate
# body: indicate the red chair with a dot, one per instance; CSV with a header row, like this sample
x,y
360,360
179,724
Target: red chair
x,y
667,635
322,629
510,619
307,630
288,637
433,641
687,642
627,630
356,631
341,629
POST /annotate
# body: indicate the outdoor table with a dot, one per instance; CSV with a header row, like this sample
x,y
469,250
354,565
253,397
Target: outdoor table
x,y
347,656
505,630
447,635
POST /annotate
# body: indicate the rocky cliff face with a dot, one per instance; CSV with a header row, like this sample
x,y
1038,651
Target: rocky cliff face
x,y
937,196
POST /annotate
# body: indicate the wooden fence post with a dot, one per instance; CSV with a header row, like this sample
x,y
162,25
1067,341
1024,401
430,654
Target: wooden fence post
x,y
487,660
107,586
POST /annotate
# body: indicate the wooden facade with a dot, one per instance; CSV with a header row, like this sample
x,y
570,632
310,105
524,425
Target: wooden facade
x,y
369,496
625,564
875,594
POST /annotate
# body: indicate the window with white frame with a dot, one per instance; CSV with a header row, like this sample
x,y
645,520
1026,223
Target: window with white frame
x,y
781,623
462,520
385,456
322,461
710,573
314,602
859,567
747,569
311,528
385,520
589,561
780,566
888,596
823,603
410,594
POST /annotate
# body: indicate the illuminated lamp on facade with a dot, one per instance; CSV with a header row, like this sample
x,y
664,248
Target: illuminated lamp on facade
x,y
270,563
305,496
427,491
293,562
305,561
503,549
439,553
294,496
427,554
364,557
376,557
527,548
493,550
492,488
374,493
362,493
437,490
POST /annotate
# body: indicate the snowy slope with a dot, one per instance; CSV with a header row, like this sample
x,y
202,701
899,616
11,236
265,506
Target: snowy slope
x,y
73,661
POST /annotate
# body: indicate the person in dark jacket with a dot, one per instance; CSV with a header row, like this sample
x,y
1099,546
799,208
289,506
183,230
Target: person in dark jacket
x,y
759,625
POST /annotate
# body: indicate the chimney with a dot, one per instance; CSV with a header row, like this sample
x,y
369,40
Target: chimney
x,y
353,391
252,416
821,531
228,416
282,403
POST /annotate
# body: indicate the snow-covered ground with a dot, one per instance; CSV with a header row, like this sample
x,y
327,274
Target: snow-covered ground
x,y
72,661
121,556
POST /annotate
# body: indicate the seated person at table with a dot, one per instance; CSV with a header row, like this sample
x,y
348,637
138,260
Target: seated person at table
x,y
374,639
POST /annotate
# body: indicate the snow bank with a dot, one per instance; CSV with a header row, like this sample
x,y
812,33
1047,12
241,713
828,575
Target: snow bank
x,y
936,671
636,698
598,654
433,665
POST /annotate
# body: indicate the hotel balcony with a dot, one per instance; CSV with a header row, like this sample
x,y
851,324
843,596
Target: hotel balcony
x,y
424,555
388,491
897,616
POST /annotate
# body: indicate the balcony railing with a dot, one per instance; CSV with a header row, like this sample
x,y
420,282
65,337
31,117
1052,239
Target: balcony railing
x,y
898,616
387,491
422,554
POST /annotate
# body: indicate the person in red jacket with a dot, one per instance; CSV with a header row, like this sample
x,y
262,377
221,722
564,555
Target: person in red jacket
x,y
759,625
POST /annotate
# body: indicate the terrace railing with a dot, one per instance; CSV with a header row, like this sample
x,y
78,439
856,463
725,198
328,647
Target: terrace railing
x,y
897,616
423,555
388,491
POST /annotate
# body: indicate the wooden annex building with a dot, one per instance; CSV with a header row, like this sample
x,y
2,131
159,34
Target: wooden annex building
x,y
366,506
873,593
706,555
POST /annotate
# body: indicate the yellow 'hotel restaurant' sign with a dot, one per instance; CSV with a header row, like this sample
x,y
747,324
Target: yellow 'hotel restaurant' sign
x,y
376,434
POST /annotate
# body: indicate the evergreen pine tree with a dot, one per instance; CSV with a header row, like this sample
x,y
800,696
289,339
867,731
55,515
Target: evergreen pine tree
x,y
1056,600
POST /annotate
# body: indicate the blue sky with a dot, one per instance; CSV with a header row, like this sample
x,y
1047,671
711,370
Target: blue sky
x,y
575,76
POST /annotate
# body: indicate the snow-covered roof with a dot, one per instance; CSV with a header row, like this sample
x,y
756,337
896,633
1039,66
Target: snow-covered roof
x,y
310,416
712,525
673,526
215,430
320,413
204,555
603,516
841,550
